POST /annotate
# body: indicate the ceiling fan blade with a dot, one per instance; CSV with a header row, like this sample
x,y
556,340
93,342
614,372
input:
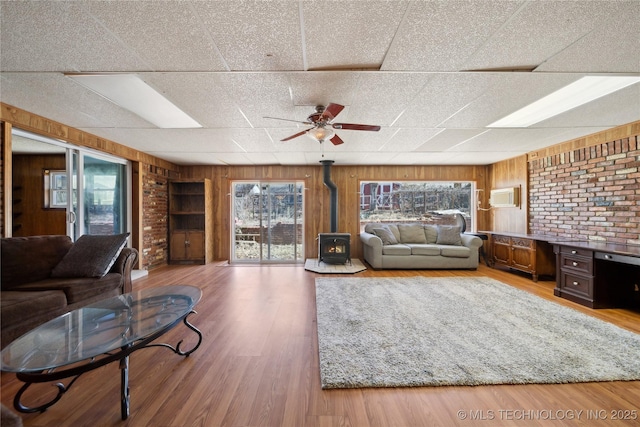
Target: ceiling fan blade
x,y
336,140
296,135
287,120
331,111
354,126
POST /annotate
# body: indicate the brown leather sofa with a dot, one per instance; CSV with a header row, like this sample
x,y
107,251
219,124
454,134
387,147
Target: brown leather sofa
x,y
33,293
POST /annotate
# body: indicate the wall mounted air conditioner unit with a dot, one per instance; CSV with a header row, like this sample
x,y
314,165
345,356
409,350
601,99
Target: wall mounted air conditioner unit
x,y
505,197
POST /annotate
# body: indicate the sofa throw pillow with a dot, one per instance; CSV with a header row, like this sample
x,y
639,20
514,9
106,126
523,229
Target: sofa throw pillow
x,y
91,256
431,233
386,236
449,235
412,233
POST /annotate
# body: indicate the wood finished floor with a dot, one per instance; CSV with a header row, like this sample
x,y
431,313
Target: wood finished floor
x,y
258,366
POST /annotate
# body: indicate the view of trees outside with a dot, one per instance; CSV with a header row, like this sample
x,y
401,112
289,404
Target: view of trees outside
x,y
268,221
415,201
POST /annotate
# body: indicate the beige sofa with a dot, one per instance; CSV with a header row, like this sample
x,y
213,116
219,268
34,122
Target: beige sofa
x,y
419,246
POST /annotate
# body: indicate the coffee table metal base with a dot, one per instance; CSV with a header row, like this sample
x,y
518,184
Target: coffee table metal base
x,y
76,371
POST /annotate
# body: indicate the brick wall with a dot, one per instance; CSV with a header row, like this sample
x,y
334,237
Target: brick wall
x,y
154,252
592,193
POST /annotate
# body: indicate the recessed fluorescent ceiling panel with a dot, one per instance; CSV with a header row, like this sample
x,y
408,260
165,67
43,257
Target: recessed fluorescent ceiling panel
x,y
132,93
577,93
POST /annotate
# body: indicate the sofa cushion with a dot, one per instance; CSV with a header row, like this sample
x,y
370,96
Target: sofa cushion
x,y
455,251
431,233
77,289
412,233
429,250
16,303
449,235
29,259
91,256
396,250
385,235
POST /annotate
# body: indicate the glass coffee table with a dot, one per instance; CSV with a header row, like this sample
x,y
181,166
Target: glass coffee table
x,y
96,335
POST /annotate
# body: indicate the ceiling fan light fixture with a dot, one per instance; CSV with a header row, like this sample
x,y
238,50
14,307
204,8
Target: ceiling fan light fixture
x,y
321,133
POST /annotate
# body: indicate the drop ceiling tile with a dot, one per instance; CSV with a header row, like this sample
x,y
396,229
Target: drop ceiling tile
x,y
321,88
408,139
538,31
290,158
254,35
448,138
262,158
421,158
441,35
59,36
187,159
168,36
612,46
381,97
476,158
349,34
254,140
259,95
445,95
376,158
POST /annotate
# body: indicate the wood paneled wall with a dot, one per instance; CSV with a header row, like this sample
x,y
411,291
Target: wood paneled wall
x,y
31,218
505,174
317,200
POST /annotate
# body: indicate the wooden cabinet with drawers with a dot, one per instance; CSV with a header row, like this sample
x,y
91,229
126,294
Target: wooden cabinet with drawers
x,y
575,280
524,253
598,275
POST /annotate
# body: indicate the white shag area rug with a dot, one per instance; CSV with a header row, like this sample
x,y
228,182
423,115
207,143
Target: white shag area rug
x,y
421,331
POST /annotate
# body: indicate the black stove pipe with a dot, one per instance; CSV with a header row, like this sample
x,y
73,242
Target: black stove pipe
x,y
333,191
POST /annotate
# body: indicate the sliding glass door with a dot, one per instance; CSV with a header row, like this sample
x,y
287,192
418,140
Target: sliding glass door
x,y
105,189
268,220
90,187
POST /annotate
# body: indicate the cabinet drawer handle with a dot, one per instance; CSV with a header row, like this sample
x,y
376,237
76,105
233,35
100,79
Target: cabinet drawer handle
x,y
574,252
575,283
575,264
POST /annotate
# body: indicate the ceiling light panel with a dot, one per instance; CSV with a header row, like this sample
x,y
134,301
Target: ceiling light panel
x,y
571,96
133,94
614,109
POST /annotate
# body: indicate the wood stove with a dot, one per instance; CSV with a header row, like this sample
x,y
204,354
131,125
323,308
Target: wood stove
x,y
334,248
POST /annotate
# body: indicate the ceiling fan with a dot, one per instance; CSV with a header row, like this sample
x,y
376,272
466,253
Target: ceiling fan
x,y
322,124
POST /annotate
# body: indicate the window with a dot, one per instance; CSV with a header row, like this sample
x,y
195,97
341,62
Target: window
x,y
416,201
